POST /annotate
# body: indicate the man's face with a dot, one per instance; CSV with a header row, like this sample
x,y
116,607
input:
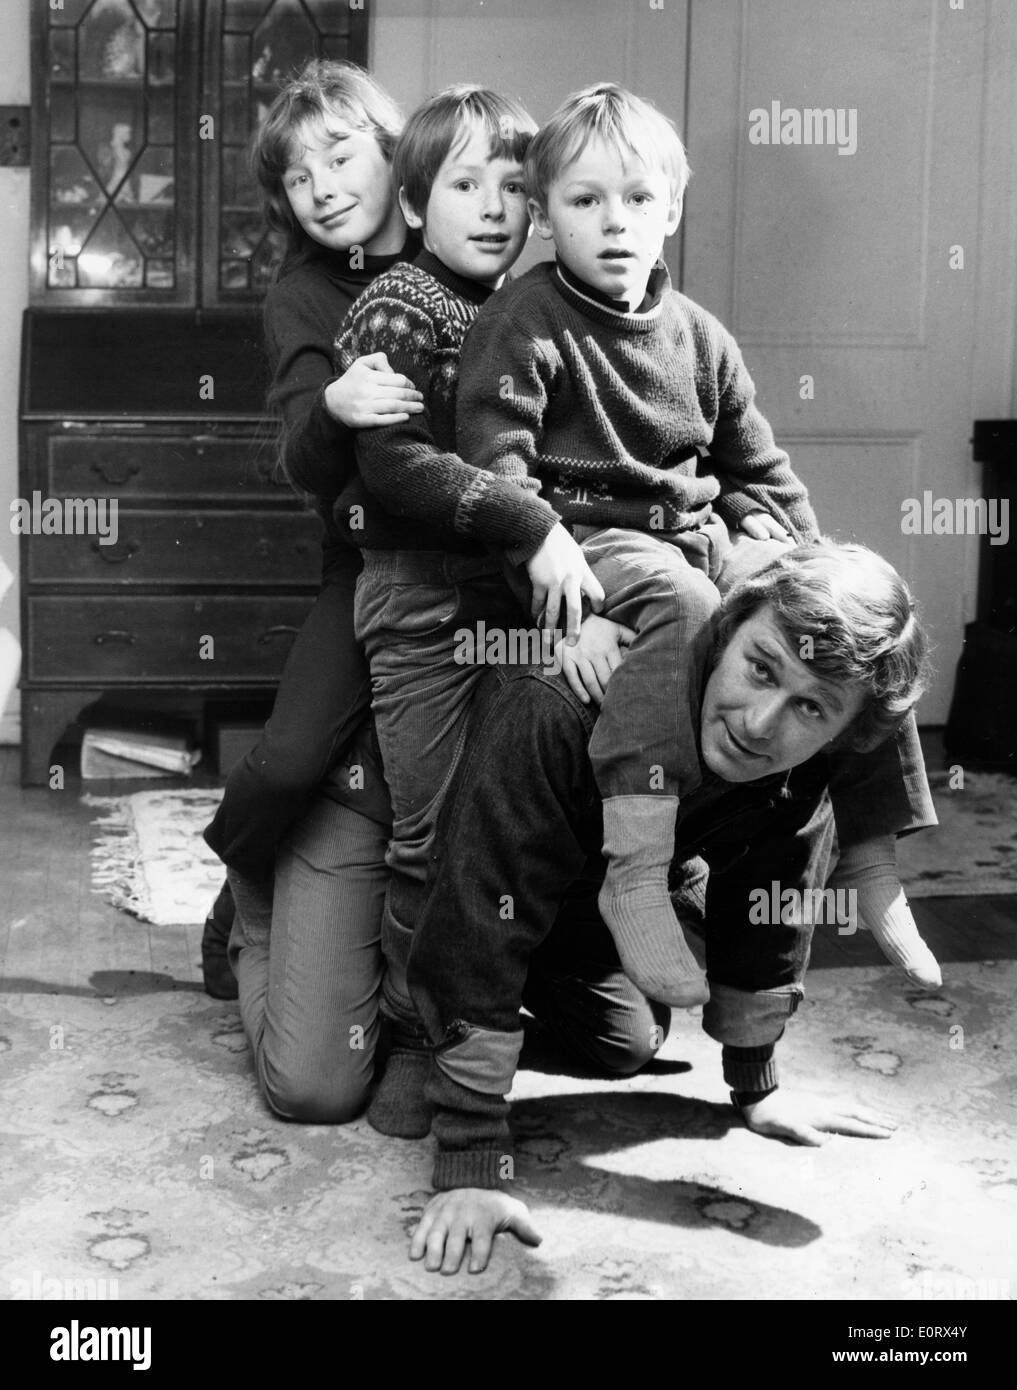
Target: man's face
x,y
764,711
609,218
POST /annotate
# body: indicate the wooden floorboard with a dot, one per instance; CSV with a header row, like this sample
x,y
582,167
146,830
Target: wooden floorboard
x,y
58,934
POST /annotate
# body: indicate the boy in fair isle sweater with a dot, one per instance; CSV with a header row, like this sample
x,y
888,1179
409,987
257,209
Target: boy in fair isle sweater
x,y
592,374
430,526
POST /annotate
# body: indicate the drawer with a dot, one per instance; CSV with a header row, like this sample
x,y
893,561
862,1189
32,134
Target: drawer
x,y
173,547
125,639
150,464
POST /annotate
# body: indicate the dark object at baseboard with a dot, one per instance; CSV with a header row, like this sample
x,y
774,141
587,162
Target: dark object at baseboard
x,y
982,725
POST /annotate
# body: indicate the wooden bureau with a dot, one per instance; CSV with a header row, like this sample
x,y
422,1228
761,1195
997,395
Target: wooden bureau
x,y
143,379
214,564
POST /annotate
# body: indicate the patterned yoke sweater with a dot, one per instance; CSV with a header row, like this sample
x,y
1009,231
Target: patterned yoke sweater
x,y
413,491
610,408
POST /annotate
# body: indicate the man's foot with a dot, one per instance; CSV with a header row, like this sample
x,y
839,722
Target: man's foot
x,y
399,1107
220,982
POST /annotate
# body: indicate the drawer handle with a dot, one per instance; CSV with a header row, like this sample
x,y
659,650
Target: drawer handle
x,y
109,473
107,553
281,630
114,635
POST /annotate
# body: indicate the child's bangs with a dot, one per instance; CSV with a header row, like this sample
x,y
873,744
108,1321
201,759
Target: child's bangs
x,y
324,122
634,137
508,140
509,130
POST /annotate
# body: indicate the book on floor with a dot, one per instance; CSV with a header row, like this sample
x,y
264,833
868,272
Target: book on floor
x,y
137,743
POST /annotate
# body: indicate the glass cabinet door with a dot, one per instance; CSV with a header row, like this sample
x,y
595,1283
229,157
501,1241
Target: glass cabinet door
x,y
251,48
114,178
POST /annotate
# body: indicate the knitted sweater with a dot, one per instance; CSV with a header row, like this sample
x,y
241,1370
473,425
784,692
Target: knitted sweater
x,y
303,310
413,491
302,313
609,408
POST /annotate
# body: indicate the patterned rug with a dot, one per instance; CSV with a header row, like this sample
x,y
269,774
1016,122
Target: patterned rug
x,y
973,850
137,1148
140,1151
150,860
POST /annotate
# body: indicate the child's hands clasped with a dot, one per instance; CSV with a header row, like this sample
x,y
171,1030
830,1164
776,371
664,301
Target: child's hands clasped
x,y
371,393
588,665
559,572
470,1214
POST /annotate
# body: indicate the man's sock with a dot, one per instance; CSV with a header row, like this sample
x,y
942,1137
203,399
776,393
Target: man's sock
x,y
635,903
399,1107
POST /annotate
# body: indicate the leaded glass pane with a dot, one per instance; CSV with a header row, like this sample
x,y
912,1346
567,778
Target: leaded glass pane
x,y
112,43
157,14
110,258
264,43
112,70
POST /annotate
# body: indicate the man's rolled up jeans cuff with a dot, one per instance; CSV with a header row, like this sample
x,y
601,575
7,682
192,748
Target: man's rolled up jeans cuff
x,y
751,1076
489,1168
749,1018
480,1059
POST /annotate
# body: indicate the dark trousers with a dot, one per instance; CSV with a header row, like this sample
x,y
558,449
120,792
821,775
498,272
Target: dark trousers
x,y
518,847
323,696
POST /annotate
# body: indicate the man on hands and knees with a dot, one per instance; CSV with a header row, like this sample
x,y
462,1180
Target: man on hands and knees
x,y
809,667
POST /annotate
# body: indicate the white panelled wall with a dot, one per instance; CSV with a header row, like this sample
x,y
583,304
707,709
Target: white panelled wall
x,y
829,266
825,266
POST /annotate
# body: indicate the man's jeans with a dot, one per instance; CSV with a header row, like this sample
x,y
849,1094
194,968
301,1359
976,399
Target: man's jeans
x,y
520,837
309,966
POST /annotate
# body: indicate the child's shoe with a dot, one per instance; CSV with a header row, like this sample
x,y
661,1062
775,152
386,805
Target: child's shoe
x,y
220,981
639,841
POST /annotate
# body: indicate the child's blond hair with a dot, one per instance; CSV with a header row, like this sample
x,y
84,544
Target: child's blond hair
x,y
608,112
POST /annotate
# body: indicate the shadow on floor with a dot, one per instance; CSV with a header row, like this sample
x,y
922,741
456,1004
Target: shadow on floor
x,y
558,1163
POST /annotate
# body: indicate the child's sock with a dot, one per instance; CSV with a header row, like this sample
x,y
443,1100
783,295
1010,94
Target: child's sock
x,y
399,1107
871,869
636,905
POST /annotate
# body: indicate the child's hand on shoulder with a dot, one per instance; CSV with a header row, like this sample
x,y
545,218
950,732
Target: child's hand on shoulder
x,y
588,665
761,526
559,573
470,1214
371,393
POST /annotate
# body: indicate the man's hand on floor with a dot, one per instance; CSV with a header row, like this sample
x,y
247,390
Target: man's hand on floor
x,y
805,1120
468,1214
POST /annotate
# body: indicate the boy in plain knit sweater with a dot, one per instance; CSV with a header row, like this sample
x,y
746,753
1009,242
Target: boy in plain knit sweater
x,y
592,374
